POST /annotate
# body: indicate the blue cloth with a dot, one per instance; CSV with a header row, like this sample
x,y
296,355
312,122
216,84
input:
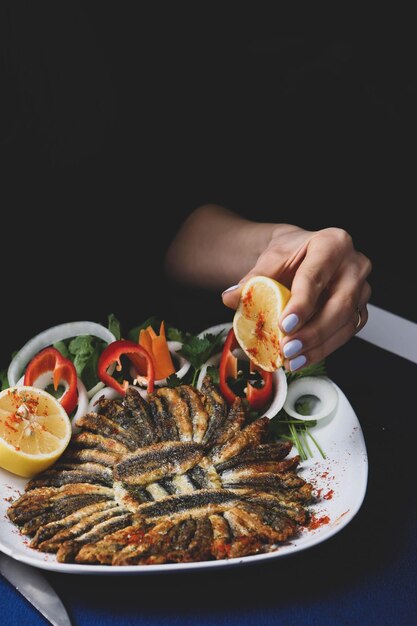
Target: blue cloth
x,y
366,574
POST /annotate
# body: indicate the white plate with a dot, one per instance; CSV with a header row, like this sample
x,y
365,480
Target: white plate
x,y
342,477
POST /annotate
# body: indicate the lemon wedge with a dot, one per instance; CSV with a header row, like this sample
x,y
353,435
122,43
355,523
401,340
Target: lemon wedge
x,y
256,321
34,430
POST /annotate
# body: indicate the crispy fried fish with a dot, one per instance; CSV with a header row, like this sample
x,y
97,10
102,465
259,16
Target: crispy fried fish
x,y
176,478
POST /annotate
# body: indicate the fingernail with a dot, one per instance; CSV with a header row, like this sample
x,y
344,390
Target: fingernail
x,y
298,362
290,322
292,347
232,288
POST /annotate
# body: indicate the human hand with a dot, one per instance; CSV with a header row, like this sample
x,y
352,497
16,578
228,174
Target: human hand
x,y
329,290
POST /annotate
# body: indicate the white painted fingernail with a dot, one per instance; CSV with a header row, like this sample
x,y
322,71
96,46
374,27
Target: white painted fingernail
x,y
232,288
292,348
298,362
290,322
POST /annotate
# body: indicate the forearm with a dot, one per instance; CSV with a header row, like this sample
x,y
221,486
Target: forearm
x,y
215,248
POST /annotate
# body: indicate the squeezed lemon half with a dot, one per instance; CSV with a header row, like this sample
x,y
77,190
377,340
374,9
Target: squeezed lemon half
x,y
256,321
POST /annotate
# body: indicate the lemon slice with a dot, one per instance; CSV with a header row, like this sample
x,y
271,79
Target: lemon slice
x,y
34,430
256,321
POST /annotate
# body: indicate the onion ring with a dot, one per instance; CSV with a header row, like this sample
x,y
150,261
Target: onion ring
x,y
51,336
317,386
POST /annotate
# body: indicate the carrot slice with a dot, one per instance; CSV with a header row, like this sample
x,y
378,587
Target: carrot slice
x,y
152,334
157,347
145,340
164,366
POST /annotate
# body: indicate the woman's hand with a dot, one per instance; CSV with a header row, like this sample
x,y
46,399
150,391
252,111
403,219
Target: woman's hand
x,y
329,290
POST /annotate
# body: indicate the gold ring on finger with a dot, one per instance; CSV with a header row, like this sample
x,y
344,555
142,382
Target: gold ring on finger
x,y
359,317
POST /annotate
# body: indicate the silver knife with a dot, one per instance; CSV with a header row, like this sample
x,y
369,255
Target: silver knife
x,y
35,588
390,332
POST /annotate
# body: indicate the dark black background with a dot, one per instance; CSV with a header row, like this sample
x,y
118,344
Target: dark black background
x,y
108,142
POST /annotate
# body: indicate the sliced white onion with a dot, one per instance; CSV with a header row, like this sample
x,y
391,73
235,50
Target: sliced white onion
x,y
318,387
215,330
106,392
213,361
50,336
82,407
280,387
92,392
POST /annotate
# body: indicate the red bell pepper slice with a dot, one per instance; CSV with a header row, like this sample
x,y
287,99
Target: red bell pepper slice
x,y
136,355
228,366
257,397
51,360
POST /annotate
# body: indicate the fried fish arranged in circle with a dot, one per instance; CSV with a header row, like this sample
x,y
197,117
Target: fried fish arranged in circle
x,y
174,479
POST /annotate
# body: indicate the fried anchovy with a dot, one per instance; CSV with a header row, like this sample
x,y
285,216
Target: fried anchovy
x,y
249,436
300,490
111,545
178,408
233,423
216,407
89,455
85,473
49,530
69,549
202,502
68,499
248,523
82,527
163,418
198,413
129,415
87,440
247,470
104,426
131,496
280,503
158,461
262,452
150,548
142,417
220,546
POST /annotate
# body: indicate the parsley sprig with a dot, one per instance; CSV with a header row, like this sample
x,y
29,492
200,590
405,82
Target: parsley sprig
x,y
195,349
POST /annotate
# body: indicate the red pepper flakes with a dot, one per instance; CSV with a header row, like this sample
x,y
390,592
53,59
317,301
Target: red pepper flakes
x,y
221,548
136,536
15,418
259,328
248,297
316,522
329,495
10,427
